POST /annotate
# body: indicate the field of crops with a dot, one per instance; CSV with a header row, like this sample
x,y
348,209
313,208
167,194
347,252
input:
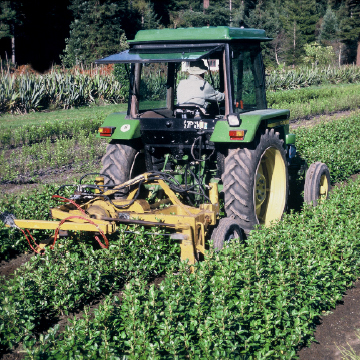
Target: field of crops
x,y
21,93
258,300
30,151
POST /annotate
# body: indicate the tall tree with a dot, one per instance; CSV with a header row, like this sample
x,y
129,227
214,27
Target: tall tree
x,y
8,21
329,30
95,31
218,14
193,13
149,19
330,33
300,24
350,27
307,19
267,15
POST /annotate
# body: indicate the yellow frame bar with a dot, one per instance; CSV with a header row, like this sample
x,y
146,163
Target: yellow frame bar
x,y
106,228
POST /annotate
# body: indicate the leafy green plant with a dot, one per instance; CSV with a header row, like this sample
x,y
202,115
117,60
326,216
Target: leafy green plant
x,y
63,89
261,299
64,279
316,100
34,205
29,161
335,143
23,93
317,55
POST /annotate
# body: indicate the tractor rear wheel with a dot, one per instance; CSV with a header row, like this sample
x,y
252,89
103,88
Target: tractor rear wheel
x,y
121,163
227,230
256,182
317,183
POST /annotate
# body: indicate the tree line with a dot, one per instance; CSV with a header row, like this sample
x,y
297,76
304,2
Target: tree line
x,y
303,31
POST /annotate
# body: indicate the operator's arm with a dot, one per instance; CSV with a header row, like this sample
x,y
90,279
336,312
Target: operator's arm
x,y
211,94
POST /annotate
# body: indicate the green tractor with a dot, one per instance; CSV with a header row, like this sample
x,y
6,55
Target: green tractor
x,y
233,139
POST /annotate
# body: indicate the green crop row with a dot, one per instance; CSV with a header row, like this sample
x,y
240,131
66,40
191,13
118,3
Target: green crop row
x,y
302,103
34,205
68,277
316,101
312,93
304,77
30,161
254,300
335,143
20,94
29,134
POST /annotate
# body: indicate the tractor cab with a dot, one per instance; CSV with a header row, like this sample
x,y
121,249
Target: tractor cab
x,y
158,60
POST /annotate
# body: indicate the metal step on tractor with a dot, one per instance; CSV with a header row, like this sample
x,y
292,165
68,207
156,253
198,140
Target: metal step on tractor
x,y
197,126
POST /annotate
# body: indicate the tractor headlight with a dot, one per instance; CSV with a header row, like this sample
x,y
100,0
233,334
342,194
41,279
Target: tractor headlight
x,y
233,119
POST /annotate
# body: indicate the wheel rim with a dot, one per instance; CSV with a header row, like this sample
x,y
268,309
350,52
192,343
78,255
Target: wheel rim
x,y
260,188
270,187
231,235
324,187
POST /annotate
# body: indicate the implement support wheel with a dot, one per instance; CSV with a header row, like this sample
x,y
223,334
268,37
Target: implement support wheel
x,y
227,230
256,182
317,183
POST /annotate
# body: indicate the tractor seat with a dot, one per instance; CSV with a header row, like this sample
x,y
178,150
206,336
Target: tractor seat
x,y
189,111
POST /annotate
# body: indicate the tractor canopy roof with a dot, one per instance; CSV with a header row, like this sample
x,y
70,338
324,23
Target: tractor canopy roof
x,y
196,35
183,44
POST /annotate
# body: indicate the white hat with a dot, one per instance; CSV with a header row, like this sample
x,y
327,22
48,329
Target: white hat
x,y
197,68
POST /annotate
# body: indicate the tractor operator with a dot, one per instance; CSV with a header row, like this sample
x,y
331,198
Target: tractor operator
x,y
195,90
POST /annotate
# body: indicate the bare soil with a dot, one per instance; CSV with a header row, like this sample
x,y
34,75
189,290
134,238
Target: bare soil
x,y
7,267
60,176
314,120
337,330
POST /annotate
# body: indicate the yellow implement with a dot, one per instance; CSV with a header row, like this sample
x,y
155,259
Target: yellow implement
x,y
190,224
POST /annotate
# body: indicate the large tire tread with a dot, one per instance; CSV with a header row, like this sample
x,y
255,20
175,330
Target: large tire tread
x,y
238,179
227,226
117,163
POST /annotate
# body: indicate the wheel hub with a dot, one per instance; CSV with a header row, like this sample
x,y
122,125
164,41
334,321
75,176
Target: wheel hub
x,y
260,189
324,187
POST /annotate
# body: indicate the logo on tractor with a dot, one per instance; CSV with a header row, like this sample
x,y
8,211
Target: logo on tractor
x,y
125,128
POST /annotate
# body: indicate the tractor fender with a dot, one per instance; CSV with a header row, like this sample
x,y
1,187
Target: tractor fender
x,y
250,123
123,129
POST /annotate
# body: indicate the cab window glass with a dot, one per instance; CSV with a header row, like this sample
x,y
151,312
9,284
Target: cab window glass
x,y
153,86
249,90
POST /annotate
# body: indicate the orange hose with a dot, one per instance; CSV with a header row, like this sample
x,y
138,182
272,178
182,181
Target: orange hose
x,y
70,201
106,246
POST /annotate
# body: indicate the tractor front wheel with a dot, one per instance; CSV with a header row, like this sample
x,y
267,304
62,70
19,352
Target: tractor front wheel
x,y
256,182
317,183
